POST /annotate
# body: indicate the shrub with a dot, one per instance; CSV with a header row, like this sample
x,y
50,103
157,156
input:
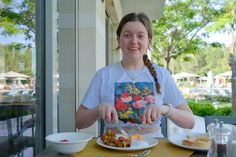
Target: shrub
x,y
218,98
207,109
224,111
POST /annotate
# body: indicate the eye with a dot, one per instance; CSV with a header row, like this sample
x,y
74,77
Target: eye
x,y
141,36
127,35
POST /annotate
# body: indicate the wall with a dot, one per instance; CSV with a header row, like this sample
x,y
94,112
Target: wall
x,y
91,46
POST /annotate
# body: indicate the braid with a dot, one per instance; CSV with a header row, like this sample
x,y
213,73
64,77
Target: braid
x,y
153,72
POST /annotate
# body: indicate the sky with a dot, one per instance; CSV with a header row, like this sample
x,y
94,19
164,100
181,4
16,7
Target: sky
x,y
221,38
18,39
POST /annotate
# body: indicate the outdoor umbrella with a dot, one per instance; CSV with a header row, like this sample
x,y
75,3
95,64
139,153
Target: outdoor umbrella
x,y
14,75
184,75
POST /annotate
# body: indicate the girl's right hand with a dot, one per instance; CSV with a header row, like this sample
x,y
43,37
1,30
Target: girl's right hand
x,y
108,112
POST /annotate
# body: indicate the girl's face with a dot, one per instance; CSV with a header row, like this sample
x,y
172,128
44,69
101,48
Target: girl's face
x,y
133,40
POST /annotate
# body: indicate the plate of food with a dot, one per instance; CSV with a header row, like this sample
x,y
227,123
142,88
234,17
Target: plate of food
x,y
120,142
194,141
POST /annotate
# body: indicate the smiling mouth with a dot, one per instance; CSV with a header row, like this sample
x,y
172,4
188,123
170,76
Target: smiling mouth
x,y
133,48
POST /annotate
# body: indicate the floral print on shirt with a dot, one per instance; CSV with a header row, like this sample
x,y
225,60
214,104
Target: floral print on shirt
x,y
131,100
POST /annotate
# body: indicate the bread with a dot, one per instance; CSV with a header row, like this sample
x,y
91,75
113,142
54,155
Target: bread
x,y
200,141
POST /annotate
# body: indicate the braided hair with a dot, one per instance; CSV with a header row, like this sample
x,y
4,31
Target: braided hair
x,y
153,72
141,17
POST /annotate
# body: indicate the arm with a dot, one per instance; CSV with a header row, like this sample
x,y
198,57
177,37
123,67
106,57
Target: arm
x,y
181,115
86,117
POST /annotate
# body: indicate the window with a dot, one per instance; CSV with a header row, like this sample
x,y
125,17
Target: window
x,y
21,79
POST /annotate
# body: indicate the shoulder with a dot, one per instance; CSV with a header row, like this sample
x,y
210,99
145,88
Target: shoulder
x,y
108,69
161,70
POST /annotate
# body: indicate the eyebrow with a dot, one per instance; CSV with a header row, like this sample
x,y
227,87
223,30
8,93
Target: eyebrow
x,y
139,32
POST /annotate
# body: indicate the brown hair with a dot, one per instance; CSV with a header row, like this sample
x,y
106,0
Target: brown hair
x,y
141,17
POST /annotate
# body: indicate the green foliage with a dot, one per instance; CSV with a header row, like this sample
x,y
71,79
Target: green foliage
x,y
18,18
177,32
226,99
204,61
207,109
16,57
10,113
202,110
224,111
226,20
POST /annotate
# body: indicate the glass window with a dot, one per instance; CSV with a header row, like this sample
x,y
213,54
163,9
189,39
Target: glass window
x,y
20,87
38,42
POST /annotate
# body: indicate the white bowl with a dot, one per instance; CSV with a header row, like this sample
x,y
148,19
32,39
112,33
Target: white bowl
x,y
75,141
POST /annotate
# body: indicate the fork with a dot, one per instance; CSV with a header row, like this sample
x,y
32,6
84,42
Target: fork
x,y
120,128
133,129
142,154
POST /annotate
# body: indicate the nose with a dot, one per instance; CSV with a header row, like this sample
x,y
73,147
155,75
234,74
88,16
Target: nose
x,y
134,39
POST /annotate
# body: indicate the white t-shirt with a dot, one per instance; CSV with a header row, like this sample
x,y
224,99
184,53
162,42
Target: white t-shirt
x,y
130,91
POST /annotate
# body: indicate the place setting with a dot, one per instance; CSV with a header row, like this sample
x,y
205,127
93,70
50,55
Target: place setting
x,y
125,141
219,140
193,141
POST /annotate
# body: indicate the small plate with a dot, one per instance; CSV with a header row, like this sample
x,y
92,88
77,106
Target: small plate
x,y
177,139
150,143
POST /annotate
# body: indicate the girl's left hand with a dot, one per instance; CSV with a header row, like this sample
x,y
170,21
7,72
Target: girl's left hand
x,y
152,113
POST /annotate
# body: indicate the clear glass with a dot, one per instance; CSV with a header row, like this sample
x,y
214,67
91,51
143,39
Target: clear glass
x,y
221,136
231,151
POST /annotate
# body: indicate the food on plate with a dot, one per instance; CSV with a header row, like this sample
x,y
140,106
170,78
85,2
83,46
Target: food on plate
x,y
110,139
200,141
136,137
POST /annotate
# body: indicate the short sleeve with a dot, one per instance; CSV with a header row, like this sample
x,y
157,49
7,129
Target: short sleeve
x,y
92,95
171,93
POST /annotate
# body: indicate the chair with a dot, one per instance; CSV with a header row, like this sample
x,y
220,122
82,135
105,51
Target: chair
x,y
225,119
164,126
14,147
15,142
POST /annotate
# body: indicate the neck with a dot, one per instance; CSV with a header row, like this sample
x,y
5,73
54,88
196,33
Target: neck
x,y
139,65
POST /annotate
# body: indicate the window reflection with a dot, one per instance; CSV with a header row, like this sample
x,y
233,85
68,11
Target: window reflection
x,y
17,78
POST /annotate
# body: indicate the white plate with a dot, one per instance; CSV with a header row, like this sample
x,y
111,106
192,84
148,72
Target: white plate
x,y
150,143
177,139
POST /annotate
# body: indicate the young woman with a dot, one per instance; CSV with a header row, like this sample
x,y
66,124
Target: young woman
x,y
133,90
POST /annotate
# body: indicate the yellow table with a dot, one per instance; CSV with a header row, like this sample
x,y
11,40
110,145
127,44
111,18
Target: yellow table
x,y
162,149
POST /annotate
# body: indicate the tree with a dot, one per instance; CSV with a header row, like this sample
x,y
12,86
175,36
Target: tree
x,y
2,58
27,60
204,61
226,22
178,32
16,17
